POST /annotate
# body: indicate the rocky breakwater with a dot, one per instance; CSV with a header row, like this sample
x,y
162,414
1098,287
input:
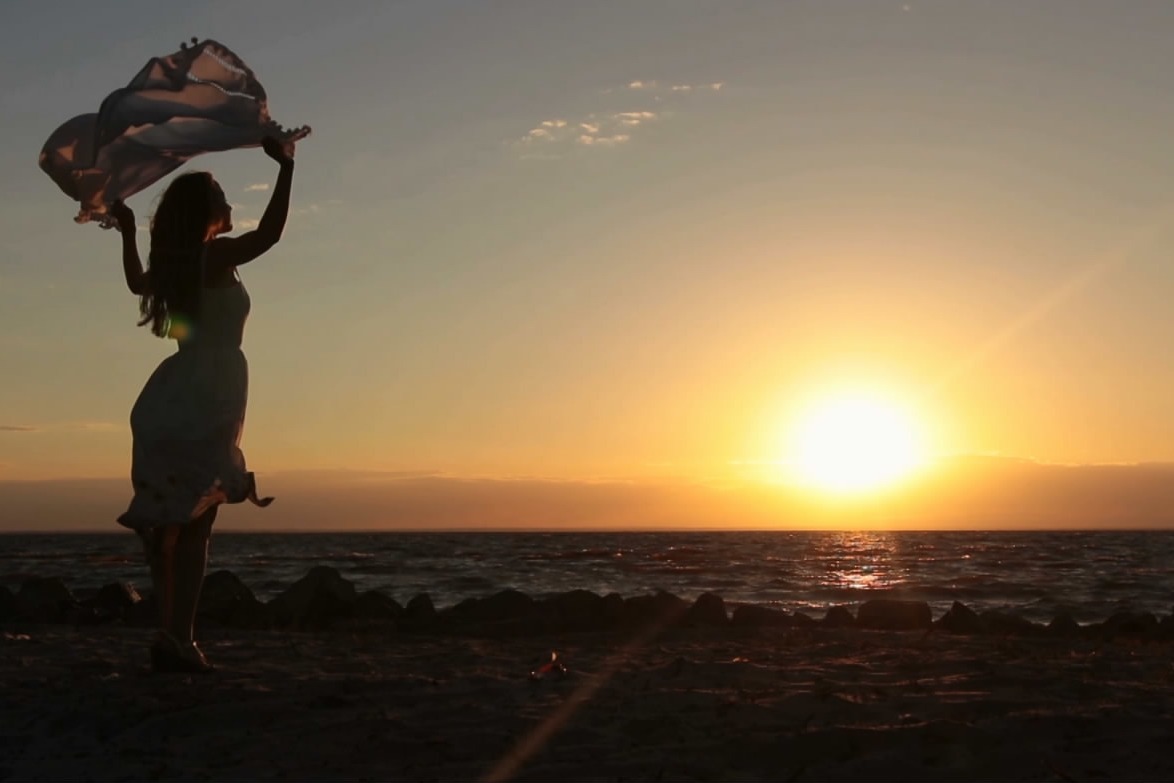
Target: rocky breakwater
x,y
324,600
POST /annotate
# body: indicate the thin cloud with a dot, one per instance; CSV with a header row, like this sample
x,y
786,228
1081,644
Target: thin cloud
x,y
714,86
247,225
633,117
64,426
91,426
257,186
603,141
607,127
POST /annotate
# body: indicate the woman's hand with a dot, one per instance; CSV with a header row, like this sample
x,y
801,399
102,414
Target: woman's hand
x,y
282,153
123,216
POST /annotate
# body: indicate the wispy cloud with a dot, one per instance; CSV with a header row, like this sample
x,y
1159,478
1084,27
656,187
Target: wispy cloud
x,y
714,86
610,127
64,426
257,186
247,225
633,117
92,426
604,141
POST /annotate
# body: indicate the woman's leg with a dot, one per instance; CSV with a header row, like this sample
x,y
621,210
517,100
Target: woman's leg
x,y
160,544
191,560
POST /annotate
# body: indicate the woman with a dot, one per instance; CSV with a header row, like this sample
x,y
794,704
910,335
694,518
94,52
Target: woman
x,y
188,418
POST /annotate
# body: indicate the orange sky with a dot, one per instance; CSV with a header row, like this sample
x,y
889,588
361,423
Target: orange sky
x,y
629,243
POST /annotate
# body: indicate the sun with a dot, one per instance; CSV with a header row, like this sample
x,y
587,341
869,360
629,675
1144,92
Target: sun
x,y
854,443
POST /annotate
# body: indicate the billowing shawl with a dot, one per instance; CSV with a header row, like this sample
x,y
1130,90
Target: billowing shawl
x,y
200,99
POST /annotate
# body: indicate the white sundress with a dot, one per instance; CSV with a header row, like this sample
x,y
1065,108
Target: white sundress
x,y
188,419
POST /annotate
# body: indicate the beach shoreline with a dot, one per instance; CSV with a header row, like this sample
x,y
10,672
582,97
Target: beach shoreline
x,y
673,704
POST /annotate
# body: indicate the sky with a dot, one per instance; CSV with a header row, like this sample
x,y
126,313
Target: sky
x,y
541,249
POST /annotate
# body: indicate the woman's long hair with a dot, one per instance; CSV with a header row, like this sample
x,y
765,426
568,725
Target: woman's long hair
x,y
182,223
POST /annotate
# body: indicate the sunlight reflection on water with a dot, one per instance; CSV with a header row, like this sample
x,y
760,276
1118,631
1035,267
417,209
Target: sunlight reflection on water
x,y
1090,574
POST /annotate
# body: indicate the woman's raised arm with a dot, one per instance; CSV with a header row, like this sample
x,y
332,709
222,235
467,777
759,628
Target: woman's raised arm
x,y
132,265
229,252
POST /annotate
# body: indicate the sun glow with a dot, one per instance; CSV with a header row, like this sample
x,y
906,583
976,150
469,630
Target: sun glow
x,y
854,443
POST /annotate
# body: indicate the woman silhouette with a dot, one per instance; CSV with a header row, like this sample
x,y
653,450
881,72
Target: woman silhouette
x,y
188,419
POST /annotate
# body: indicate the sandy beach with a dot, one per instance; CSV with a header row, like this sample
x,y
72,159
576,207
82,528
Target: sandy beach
x,y
779,704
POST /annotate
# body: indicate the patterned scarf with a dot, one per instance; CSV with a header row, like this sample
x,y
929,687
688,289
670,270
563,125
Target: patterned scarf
x,y
200,99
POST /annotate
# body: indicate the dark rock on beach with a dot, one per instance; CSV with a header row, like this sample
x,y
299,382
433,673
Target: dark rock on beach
x,y
802,620
1005,624
752,616
709,610
499,607
9,609
890,614
323,600
419,614
581,610
1129,624
45,600
227,601
115,598
112,603
960,618
658,610
838,617
374,605
315,601
1064,626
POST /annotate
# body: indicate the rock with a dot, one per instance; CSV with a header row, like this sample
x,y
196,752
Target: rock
x,y
419,613
709,610
960,618
373,605
45,600
754,616
891,614
801,620
500,607
577,610
1064,626
997,622
227,601
838,617
1129,624
316,600
110,604
661,609
144,614
115,599
9,610
613,610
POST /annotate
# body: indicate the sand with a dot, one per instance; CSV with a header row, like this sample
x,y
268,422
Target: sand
x,y
700,704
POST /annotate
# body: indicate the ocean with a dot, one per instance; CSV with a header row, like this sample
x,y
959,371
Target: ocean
x,y
1034,574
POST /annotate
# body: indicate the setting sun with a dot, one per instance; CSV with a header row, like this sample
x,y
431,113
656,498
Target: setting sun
x,y
854,443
